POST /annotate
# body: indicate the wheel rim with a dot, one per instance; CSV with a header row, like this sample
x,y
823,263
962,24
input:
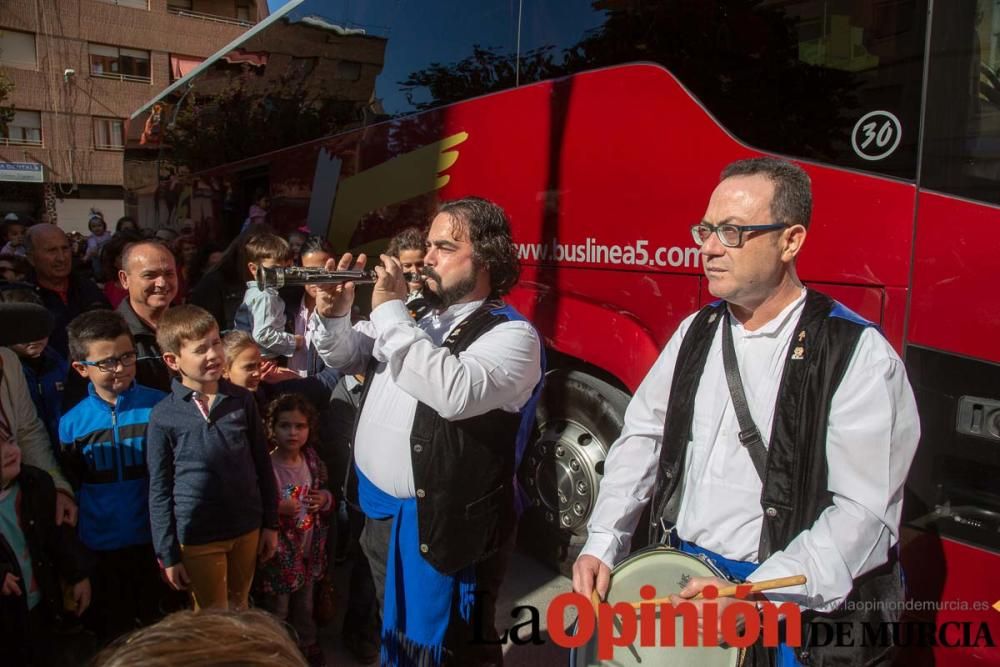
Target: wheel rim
x,y
562,471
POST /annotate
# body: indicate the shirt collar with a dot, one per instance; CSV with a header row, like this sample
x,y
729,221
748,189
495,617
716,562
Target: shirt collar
x,y
135,323
180,390
778,323
456,312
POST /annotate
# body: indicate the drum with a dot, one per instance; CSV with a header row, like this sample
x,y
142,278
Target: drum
x,y
667,569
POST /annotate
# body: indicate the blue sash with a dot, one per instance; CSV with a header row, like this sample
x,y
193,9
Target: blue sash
x,y
739,570
418,598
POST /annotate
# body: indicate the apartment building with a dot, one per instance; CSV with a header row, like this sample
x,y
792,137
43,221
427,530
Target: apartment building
x,y
79,69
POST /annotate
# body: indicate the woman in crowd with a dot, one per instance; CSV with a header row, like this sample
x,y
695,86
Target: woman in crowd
x,y
126,224
186,252
111,264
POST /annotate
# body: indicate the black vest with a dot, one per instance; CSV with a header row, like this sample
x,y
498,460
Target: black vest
x,y
463,470
795,486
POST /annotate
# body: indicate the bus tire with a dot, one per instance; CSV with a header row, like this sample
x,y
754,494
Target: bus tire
x,y
578,418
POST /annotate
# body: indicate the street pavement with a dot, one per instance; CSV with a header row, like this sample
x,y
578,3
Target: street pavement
x,y
527,583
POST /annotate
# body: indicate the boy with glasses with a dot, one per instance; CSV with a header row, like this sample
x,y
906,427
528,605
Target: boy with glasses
x,y
103,443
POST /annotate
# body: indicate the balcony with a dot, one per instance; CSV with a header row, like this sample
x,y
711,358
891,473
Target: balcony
x,y
121,77
10,141
228,20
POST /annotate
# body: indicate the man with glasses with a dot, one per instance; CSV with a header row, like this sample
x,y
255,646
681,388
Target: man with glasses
x,y
773,434
149,273
103,445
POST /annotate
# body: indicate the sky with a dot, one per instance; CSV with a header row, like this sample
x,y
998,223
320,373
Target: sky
x,y
422,32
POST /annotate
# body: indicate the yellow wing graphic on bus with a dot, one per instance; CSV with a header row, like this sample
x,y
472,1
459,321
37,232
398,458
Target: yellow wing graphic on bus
x,y
403,177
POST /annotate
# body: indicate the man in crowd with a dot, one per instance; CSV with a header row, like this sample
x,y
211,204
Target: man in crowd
x,y
149,273
437,439
63,293
773,382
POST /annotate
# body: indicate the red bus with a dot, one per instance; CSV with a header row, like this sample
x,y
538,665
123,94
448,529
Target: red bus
x,y
601,127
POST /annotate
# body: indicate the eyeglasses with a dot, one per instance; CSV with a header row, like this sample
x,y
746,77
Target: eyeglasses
x,y
729,235
110,365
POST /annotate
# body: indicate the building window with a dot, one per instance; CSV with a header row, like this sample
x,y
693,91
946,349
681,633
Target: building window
x,y
243,12
135,4
118,63
180,5
109,134
300,68
348,70
17,49
962,126
24,130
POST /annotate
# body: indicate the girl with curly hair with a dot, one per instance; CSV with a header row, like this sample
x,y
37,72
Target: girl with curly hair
x,y
287,582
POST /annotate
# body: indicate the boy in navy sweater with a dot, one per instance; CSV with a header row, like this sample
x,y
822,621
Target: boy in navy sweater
x,y
103,443
213,500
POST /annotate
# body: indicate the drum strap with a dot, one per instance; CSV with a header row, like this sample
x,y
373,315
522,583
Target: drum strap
x,y
749,434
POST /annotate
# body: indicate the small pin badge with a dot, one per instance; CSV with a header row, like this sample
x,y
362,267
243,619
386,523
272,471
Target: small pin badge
x,y
802,336
798,352
711,318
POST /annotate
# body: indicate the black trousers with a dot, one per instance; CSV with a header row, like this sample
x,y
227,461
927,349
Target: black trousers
x,y
127,591
362,619
460,650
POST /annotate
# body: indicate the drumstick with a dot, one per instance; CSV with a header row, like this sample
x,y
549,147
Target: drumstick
x,y
595,600
730,591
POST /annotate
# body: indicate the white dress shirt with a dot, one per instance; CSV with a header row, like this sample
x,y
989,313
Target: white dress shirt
x,y
499,370
871,439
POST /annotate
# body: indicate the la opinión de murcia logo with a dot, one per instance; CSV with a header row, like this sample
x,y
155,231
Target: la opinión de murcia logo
x,y
739,625
653,623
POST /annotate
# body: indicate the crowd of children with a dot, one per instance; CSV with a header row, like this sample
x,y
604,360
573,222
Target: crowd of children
x,y
214,493
185,482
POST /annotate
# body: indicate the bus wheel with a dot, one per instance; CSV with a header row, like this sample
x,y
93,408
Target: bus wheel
x,y
578,418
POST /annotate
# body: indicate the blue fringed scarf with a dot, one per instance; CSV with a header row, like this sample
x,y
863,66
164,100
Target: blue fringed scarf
x,y
739,570
418,598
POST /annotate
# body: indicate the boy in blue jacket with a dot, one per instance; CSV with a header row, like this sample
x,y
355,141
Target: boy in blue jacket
x,y
103,442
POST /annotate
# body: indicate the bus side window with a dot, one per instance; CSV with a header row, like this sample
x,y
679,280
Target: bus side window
x,y
792,77
962,136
